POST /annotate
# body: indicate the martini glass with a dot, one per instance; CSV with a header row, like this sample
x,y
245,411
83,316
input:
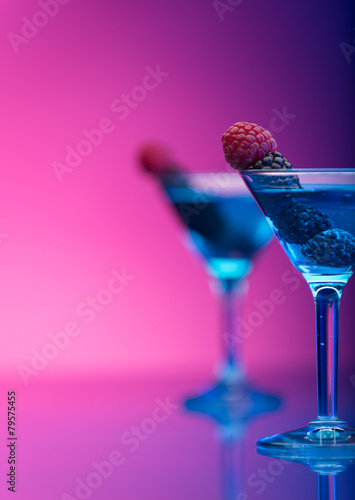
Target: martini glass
x,y
226,227
312,212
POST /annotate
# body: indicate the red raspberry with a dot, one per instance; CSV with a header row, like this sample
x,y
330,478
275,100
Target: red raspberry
x,y
156,159
245,143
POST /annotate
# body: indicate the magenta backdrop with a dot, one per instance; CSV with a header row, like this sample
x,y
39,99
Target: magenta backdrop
x,y
63,232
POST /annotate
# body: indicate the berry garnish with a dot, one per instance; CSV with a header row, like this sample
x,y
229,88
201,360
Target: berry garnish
x,y
331,248
300,223
245,143
272,160
156,159
275,161
272,205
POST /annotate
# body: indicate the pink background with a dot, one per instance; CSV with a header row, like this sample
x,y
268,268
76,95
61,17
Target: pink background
x,y
61,239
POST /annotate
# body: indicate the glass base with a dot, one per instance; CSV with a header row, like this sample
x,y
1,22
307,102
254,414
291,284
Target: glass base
x,y
328,439
231,401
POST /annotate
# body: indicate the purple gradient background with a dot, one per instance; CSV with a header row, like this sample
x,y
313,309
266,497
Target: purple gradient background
x,y
64,238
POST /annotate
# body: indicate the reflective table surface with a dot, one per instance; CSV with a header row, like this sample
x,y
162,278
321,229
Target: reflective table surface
x,y
130,438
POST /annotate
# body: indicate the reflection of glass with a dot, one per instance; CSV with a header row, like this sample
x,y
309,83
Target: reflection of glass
x,y
313,214
227,229
232,450
327,470
231,433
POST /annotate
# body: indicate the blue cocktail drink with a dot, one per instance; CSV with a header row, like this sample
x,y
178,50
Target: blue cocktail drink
x,y
227,229
312,213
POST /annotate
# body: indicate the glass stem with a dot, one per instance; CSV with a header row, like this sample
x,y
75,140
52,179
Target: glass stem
x,y
232,299
327,487
327,301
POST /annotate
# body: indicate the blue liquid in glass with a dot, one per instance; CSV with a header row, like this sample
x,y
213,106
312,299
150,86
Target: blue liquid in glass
x,y
338,202
227,230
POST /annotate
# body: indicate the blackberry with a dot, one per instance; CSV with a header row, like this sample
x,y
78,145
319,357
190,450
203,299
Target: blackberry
x,y
300,223
331,248
275,161
272,205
